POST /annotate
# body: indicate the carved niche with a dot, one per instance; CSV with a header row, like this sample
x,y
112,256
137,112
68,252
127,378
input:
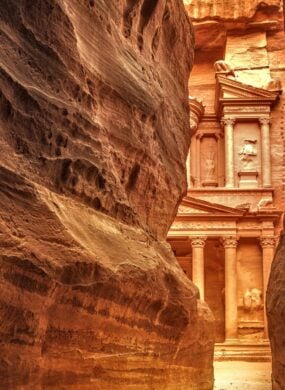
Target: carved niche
x,y
248,155
209,160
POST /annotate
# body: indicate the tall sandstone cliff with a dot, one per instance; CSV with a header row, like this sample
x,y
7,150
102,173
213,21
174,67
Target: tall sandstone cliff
x,y
94,134
276,315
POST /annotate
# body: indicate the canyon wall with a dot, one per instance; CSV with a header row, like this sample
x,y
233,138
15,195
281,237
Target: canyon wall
x,y
275,312
94,134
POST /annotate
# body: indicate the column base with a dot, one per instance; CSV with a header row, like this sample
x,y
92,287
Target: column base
x,y
245,350
210,183
232,341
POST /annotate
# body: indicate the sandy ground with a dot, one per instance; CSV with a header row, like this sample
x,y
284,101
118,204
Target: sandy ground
x,y
242,376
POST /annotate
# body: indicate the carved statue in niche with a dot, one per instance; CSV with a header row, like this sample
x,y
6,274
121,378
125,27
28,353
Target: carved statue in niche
x,y
210,165
252,300
248,152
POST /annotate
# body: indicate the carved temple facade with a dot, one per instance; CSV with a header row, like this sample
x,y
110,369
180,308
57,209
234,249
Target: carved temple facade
x,y
224,235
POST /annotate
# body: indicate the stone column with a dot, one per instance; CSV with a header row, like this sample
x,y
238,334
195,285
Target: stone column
x,y
231,313
229,152
193,162
220,162
198,277
265,152
188,170
198,160
268,247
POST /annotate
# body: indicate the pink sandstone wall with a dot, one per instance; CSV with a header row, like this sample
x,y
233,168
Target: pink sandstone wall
x,y
94,134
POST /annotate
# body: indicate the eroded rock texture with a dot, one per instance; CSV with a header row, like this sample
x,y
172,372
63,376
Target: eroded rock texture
x,y
214,18
94,134
275,312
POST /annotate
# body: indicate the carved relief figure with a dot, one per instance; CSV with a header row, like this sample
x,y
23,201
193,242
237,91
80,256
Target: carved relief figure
x,y
210,165
248,152
252,299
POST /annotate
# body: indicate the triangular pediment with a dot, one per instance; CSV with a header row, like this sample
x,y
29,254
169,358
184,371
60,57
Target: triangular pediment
x,y
194,207
229,88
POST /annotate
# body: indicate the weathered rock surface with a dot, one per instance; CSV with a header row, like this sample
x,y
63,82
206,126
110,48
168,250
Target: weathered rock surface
x,y
214,18
275,312
231,9
94,135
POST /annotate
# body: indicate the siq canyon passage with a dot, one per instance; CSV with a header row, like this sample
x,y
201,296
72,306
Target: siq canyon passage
x,y
94,134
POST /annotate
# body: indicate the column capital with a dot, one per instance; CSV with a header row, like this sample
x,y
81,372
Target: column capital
x,y
267,241
228,121
229,241
265,121
198,242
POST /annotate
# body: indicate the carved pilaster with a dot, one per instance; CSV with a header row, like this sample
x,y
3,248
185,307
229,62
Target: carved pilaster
x,y
264,121
229,151
228,121
268,246
265,151
267,241
229,242
231,313
198,242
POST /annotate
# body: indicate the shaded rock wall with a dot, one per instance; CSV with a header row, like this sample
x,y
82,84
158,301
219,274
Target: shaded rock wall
x,y
275,311
94,134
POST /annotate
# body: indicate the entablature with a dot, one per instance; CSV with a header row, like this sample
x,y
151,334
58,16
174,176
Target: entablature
x,y
206,218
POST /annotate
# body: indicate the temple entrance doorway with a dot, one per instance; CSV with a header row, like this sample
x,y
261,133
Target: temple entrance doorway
x,y
230,273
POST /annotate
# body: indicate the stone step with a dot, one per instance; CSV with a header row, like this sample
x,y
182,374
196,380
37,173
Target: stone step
x,y
250,352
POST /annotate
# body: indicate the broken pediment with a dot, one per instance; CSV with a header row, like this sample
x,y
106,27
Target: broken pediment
x,y
231,92
194,207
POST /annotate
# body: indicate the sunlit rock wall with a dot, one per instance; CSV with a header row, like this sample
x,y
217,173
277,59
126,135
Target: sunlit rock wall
x,y
236,10
94,135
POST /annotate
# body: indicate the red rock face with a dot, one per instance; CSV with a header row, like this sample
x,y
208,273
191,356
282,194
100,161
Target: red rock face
x,y
275,311
94,135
